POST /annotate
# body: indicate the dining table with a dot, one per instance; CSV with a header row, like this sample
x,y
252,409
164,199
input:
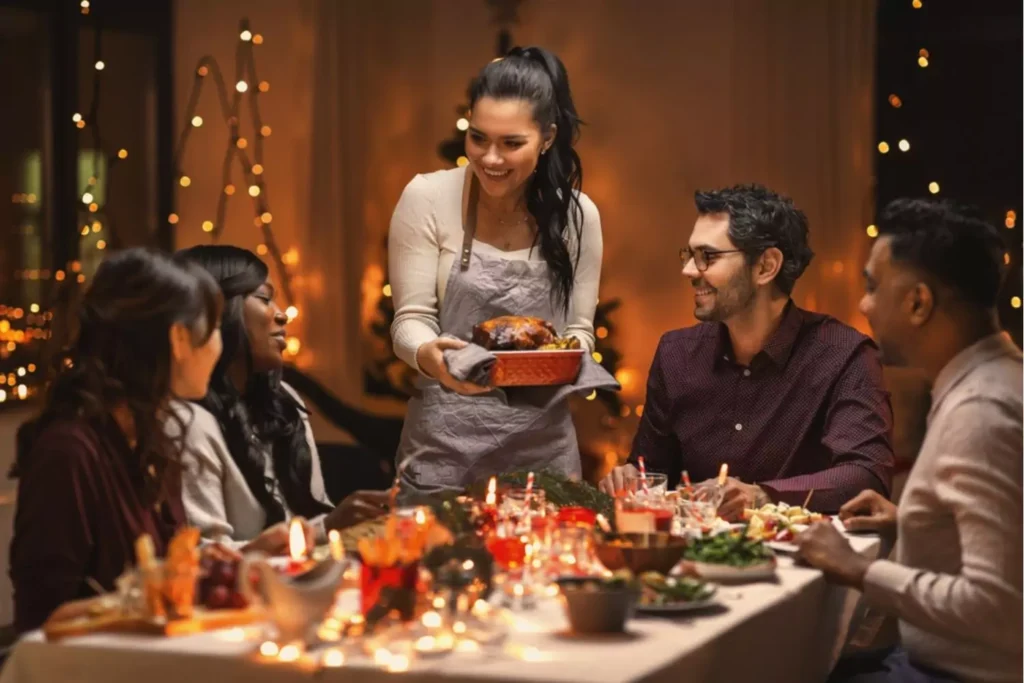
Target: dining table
x,y
791,628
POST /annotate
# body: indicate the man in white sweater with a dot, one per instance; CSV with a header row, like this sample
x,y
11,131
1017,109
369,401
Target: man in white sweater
x,y
954,582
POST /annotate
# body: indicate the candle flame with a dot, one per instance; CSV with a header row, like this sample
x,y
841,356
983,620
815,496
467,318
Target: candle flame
x,y
297,541
337,548
723,474
492,487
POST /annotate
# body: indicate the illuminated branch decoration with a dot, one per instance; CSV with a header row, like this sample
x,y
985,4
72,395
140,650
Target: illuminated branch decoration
x,y
246,86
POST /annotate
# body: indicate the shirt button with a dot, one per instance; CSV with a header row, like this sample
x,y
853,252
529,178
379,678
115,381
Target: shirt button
x,y
746,373
739,427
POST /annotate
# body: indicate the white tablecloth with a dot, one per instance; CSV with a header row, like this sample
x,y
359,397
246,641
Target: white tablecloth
x,y
791,630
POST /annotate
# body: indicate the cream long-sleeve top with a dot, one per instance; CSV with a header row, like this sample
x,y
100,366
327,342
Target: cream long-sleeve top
x,y
217,499
955,578
425,237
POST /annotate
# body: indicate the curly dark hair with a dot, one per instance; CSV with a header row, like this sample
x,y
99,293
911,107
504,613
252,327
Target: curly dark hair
x,y
121,356
758,219
553,196
950,242
267,409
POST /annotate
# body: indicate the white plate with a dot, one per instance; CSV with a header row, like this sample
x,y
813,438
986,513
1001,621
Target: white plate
x,y
678,607
723,573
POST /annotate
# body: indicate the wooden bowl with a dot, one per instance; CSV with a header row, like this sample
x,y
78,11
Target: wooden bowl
x,y
653,552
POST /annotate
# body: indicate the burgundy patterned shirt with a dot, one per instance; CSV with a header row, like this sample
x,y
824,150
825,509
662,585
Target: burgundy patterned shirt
x,y
810,411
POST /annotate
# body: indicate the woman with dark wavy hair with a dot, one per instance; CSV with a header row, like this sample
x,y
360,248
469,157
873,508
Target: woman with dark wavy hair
x,y
511,233
97,469
257,463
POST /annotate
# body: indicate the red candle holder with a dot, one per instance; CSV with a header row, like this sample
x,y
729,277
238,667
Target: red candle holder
x,y
575,515
508,552
373,580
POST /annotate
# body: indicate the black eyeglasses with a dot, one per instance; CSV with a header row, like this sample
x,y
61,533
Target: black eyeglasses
x,y
702,258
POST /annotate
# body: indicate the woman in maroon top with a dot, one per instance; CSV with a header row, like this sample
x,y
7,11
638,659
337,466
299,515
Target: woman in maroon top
x,y
96,469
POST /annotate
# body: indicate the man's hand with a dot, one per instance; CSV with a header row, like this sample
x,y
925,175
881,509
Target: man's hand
x,y
358,507
616,479
869,511
738,497
824,548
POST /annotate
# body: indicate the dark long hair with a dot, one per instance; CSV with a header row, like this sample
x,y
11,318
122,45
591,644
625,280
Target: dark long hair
x,y
266,410
121,356
553,195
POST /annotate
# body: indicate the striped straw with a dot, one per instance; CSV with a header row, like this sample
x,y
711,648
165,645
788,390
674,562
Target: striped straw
x,y
643,474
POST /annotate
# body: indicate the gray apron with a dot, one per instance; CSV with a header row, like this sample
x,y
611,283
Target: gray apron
x,y
450,441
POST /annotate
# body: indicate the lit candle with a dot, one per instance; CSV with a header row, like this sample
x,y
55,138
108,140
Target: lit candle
x,y
492,495
602,522
723,474
337,549
296,547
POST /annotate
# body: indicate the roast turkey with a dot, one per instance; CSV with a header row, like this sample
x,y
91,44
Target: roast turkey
x,y
519,333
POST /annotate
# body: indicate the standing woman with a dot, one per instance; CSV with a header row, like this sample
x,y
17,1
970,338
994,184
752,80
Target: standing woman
x,y
510,234
96,470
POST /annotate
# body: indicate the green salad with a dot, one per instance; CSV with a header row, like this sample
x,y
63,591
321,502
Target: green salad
x,y
732,549
657,589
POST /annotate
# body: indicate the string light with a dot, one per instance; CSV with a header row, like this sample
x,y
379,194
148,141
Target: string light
x,y
241,143
257,169
87,198
197,121
254,190
261,249
1011,220
202,71
895,101
100,65
598,358
292,346
462,124
94,207
257,39
291,257
904,146
872,231
883,147
601,332
1015,302
207,226
386,290
266,217
76,117
1006,258
122,153
101,245
462,161
292,312
241,86
916,4
922,61
96,226
184,181
933,187
264,86
246,36
173,219
265,131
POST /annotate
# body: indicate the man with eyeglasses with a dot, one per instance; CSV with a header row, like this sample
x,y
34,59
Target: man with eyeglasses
x,y
792,401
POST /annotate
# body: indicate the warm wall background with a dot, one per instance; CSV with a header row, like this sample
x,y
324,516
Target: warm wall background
x,y
678,95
